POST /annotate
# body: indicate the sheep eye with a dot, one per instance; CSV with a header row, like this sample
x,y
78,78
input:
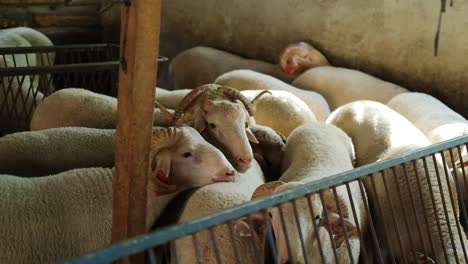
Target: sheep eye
x,y
246,125
187,154
317,217
213,126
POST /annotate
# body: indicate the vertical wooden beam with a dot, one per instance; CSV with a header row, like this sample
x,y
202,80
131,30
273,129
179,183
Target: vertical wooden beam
x,y
137,82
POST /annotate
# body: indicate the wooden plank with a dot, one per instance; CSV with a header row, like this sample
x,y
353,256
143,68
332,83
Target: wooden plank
x,y
51,2
139,44
51,20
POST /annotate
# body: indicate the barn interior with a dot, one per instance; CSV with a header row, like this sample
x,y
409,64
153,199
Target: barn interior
x,y
208,131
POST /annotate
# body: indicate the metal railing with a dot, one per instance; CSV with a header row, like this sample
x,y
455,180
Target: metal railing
x,y
415,212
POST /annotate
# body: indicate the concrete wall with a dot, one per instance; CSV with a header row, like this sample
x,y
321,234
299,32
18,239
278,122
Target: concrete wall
x,y
393,40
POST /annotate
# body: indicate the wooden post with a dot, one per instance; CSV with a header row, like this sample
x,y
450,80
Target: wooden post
x,y
137,81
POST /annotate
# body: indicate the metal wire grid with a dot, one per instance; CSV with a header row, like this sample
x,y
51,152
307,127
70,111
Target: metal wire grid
x,y
425,221
29,74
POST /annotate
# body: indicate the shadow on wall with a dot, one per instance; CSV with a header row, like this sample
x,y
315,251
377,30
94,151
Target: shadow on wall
x,y
393,40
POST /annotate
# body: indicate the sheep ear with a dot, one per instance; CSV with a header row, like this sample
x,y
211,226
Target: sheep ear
x,y
333,223
199,124
160,175
251,136
207,105
243,229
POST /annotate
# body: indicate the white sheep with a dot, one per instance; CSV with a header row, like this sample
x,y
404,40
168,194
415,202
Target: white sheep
x,y
208,200
338,85
202,65
280,110
35,39
55,150
315,151
73,107
404,202
223,116
18,99
53,218
15,90
435,119
250,80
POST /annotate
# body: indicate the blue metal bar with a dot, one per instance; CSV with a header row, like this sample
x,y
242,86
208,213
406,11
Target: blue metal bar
x,y
161,236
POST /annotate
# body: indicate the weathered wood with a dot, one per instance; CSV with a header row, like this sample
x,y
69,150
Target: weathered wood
x,y
50,2
139,44
50,20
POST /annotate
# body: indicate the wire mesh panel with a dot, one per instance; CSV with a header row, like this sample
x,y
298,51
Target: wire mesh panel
x,y
407,209
29,74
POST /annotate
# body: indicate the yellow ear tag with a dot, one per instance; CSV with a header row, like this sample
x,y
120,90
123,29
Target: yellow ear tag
x,y
188,116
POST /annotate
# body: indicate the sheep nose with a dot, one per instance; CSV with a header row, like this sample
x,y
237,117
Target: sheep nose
x,y
244,161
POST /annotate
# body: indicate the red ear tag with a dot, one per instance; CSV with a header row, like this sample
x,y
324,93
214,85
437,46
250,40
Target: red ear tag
x,y
290,68
163,178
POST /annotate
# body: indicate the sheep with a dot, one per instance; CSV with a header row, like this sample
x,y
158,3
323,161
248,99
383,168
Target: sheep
x,y
436,120
36,38
269,150
201,65
210,199
280,110
380,133
53,218
17,98
338,85
223,116
315,151
56,150
74,107
247,79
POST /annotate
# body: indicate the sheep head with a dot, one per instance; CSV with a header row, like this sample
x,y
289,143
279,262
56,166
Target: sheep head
x,y
223,116
269,151
182,159
299,57
319,223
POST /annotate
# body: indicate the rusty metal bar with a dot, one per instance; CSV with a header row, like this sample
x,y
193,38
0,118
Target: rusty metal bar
x,y
137,82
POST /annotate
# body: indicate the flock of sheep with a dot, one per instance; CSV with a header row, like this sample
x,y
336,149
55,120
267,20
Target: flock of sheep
x,y
247,129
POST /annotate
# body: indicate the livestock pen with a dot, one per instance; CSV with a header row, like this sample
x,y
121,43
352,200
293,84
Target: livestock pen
x,y
409,207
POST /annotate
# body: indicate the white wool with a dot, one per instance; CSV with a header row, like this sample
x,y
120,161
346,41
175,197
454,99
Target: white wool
x,y
436,120
315,151
46,152
210,199
379,133
251,80
73,107
202,65
340,85
61,217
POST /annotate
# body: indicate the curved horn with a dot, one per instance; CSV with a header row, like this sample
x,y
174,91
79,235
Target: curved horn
x,y
163,138
187,101
234,94
266,189
254,101
168,115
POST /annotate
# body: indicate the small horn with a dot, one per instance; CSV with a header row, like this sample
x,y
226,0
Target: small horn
x,y
266,189
163,138
254,101
169,116
234,94
188,100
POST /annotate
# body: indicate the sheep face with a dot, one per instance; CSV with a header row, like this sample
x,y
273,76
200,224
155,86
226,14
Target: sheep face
x,y
298,57
190,162
227,125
